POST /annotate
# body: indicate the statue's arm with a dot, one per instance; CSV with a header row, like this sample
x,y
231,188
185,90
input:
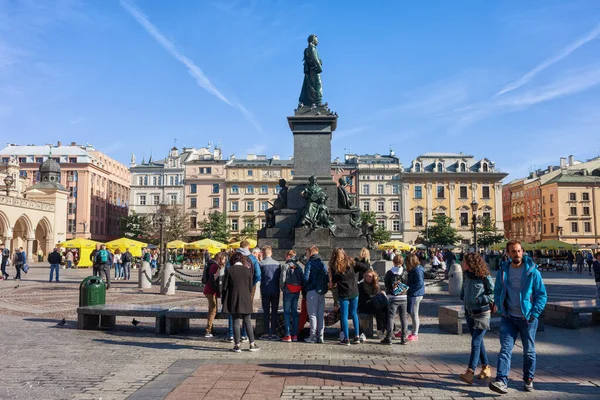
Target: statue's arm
x,y
315,61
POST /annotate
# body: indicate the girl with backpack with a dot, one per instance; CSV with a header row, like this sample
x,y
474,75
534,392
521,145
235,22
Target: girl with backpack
x,y
477,294
212,289
343,274
395,288
290,284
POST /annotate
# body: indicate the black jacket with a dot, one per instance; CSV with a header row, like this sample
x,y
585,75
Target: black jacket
x,y
54,257
361,266
237,288
347,283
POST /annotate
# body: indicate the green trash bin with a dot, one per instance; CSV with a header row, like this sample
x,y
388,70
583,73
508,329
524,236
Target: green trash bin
x,y
92,291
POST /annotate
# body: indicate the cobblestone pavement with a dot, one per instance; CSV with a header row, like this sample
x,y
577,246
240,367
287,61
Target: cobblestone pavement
x,y
43,361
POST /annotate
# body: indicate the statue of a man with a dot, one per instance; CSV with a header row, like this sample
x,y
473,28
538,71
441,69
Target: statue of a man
x,y
280,202
345,202
316,214
312,91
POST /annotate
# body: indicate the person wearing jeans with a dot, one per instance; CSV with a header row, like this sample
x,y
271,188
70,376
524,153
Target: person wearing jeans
x,y
415,293
596,268
345,277
212,290
521,297
290,283
396,289
315,301
54,259
269,292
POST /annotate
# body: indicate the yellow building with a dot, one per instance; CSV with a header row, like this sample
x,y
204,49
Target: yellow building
x,y
252,185
447,183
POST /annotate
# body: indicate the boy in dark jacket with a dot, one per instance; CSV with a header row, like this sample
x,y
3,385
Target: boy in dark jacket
x,y
54,259
269,292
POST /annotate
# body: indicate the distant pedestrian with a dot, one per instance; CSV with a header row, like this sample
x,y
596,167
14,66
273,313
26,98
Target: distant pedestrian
x,y
103,260
237,300
290,284
415,293
269,292
69,259
54,259
343,274
520,296
4,257
589,259
117,261
570,260
596,267
127,260
580,260
316,283
20,261
477,294
212,290
396,288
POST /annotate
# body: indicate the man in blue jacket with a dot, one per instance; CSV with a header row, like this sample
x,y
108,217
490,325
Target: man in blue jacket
x,y
269,292
315,298
520,295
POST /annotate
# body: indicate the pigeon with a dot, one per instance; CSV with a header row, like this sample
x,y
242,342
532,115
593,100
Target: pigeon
x,y
16,287
135,322
62,322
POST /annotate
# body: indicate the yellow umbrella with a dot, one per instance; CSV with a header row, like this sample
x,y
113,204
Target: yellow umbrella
x,y
554,245
176,244
206,244
235,245
85,247
395,244
135,247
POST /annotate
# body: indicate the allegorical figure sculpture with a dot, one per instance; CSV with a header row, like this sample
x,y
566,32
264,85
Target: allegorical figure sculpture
x,y
367,231
345,202
316,214
312,91
280,202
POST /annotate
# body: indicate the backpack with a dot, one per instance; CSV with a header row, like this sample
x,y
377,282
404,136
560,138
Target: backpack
x,y
206,271
102,256
322,281
293,278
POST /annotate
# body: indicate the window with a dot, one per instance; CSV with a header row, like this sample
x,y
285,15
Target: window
x,y
395,189
417,167
193,222
140,181
235,206
72,207
249,206
264,205
215,188
264,189
544,213
234,224
365,188
572,196
463,167
418,218
193,202
71,226
551,198
173,199
73,160
464,218
249,172
573,211
250,189
418,192
171,180
585,196
396,225
574,227
463,192
440,191
380,206
552,227
156,200
205,170
381,223
586,211
22,159
440,167
235,189
485,167
551,212
379,189
395,206
587,227
142,200
249,223
544,229
366,206
485,192
193,188
6,159
487,215
216,202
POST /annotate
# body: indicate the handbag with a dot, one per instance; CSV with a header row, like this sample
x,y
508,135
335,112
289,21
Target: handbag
x,y
379,301
25,268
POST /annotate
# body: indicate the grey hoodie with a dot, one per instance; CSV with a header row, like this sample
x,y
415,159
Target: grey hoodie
x,y
255,265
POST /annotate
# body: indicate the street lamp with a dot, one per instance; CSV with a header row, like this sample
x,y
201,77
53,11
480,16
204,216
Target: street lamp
x,y
474,206
8,181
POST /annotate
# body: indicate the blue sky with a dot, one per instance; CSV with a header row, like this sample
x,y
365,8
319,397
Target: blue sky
x,y
515,81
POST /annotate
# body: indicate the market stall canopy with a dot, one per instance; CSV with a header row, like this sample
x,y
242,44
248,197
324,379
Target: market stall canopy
x,y
236,245
421,246
135,247
554,244
206,244
395,244
176,244
85,247
502,246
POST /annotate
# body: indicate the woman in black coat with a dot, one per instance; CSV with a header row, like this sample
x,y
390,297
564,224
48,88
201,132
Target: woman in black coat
x,y
237,297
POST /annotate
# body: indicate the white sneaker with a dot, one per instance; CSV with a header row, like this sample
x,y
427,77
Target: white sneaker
x,y
208,335
310,339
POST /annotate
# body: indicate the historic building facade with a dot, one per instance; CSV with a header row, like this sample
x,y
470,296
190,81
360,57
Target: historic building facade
x,y
98,185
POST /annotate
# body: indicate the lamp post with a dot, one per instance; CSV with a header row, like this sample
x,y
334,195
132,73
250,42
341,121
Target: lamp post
x,y
474,206
8,181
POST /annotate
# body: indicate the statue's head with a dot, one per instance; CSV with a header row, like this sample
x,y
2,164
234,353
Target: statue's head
x,y
282,183
342,181
312,180
313,39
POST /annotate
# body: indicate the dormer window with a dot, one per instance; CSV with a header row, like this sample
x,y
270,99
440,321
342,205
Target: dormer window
x,y
463,167
485,167
417,167
440,167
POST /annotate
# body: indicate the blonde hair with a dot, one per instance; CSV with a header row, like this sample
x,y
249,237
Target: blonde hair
x,y
364,253
339,261
398,260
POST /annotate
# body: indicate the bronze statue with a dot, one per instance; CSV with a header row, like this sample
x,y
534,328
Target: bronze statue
x,y
316,214
367,231
312,91
280,202
345,202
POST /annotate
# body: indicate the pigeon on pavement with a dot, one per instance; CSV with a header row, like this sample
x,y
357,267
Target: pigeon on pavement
x,y
135,322
62,322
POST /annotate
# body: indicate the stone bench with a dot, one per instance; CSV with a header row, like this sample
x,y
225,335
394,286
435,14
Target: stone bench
x,y
565,314
104,316
451,318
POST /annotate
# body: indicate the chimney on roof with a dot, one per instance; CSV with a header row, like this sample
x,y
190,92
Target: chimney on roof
x,y
276,157
58,144
550,168
563,162
571,160
250,157
73,143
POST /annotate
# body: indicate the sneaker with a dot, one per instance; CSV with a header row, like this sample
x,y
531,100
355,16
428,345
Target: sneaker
x,y
287,338
345,342
380,334
294,338
398,335
310,339
528,385
320,340
254,347
208,335
228,339
244,338
264,336
498,387
412,338
236,349
275,337
386,341
403,340
356,340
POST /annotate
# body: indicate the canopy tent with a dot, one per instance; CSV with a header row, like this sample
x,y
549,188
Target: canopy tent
x,y
554,244
176,244
85,247
502,246
421,246
395,244
236,245
205,244
135,247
